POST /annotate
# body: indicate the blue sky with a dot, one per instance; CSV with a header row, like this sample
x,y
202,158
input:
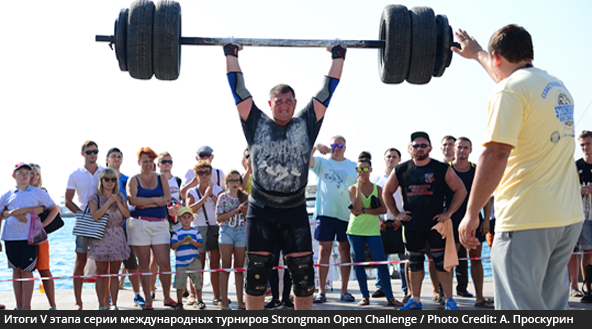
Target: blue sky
x,y
63,88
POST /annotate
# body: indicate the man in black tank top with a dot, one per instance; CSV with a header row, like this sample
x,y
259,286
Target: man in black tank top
x,y
423,183
465,170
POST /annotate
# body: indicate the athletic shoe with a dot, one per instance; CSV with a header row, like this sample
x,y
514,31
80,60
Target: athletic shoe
x,y
139,301
287,304
273,304
451,305
411,305
378,293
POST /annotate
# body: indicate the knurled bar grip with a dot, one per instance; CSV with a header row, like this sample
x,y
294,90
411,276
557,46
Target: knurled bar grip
x,y
372,44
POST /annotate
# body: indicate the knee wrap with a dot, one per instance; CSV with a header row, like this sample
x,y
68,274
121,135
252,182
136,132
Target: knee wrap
x,y
415,259
438,258
258,271
302,272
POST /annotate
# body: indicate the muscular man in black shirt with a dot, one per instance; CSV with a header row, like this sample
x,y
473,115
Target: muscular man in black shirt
x,y
423,183
280,149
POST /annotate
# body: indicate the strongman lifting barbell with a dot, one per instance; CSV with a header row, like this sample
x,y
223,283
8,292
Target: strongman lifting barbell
x,y
413,45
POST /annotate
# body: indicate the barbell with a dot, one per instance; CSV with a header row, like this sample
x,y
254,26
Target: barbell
x,y
413,44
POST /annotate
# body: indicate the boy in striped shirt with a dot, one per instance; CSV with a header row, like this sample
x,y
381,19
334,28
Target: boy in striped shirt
x,y
186,241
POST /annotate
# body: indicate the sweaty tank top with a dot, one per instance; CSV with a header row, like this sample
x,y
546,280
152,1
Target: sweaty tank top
x,y
156,212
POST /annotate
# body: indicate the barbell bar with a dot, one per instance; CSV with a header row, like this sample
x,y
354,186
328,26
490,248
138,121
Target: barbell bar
x,y
413,45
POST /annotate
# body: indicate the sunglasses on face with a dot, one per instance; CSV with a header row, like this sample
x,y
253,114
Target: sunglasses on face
x,y
204,155
91,152
337,145
107,179
365,169
166,161
232,181
416,146
203,172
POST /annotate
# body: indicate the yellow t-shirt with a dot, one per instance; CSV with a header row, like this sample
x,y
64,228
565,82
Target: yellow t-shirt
x,y
533,112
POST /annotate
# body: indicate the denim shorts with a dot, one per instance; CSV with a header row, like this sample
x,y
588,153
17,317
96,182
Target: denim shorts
x,y
236,236
81,244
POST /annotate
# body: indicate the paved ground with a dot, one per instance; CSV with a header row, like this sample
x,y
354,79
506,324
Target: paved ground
x,y
65,299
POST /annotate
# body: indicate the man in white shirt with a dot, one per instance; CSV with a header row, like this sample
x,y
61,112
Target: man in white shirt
x,y
83,182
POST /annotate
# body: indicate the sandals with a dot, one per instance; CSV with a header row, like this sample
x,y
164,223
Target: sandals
x,y
347,297
147,307
218,301
364,302
200,305
319,298
172,304
484,304
178,307
576,293
225,308
394,302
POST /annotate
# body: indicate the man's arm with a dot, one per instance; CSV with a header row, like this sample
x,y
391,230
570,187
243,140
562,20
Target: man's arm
x,y
460,193
324,149
243,99
471,49
69,203
322,99
492,164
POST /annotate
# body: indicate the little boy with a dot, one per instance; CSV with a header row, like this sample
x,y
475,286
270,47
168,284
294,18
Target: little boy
x,y
22,258
186,241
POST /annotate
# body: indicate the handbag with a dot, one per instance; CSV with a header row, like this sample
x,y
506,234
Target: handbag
x,y
55,225
213,230
36,234
392,240
86,226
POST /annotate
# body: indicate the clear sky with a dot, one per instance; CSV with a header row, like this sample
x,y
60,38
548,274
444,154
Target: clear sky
x,y
61,87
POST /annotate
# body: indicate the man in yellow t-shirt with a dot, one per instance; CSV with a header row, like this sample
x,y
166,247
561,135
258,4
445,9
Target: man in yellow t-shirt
x,y
528,161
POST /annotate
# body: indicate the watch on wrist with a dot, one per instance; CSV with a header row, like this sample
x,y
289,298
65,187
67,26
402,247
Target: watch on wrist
x,y
363,210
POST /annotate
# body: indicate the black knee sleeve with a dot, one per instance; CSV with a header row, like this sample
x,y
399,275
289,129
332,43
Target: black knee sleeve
x,y
302,272
258,272
438,258
415,259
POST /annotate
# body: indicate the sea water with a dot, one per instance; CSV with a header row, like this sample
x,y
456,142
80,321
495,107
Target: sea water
x,y
62,257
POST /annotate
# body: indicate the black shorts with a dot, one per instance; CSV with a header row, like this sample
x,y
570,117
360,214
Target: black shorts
x,y
416,240
21,255
288,227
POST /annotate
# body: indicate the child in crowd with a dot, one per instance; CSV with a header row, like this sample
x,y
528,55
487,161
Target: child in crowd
x,y
19,202
186,241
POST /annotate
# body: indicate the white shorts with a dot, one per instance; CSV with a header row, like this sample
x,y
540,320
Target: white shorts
x,y
145,233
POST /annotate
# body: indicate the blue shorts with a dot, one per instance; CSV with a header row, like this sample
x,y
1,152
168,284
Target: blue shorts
x,y
236,236
330,229
81,244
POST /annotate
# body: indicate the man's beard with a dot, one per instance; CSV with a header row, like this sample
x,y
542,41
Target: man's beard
x,y
421,157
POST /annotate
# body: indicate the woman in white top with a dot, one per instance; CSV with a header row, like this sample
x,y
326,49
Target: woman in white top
x,y
202,201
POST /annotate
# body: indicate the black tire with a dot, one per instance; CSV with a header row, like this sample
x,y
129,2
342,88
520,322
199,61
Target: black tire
x,y
167,34
121,38
139,39
443,53
395,31
423,45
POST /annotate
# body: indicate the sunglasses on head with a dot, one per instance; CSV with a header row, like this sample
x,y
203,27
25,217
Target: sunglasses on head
x,y
203,172
365,169
112,179
166,161
337,145
91,152
422,145
35,166
204,155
